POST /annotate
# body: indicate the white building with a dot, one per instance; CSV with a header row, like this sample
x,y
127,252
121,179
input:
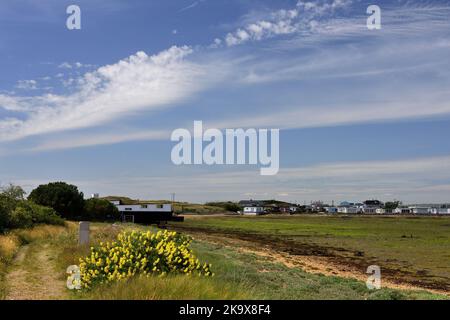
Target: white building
x,y
370,210
144,208
444,211
144,212
253,211
331,209
403,210
349,210
420,210
380,211
371,206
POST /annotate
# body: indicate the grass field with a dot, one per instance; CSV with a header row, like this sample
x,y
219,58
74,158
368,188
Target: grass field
x,y
413,249
36,264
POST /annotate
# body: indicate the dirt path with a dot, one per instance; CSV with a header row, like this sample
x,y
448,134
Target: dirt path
x,y
313,260
33,276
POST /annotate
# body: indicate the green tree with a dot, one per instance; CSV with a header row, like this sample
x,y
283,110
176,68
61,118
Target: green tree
x,y
64,198
14,192
392,205
4,212
7,206
100,210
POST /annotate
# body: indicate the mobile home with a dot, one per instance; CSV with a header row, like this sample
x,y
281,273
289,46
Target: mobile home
x,y
253,211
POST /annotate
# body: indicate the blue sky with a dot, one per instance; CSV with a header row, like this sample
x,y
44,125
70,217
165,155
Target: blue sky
x,y
363,113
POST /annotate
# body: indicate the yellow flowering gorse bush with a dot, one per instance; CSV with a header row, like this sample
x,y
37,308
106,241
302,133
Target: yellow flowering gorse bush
x,y
144,253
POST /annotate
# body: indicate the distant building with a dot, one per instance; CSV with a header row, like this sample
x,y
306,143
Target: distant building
x,y
318,206
371,206
420,210
253,211
346,204
443,209
402,210
349,210
331,209
294,209
285,209
145,212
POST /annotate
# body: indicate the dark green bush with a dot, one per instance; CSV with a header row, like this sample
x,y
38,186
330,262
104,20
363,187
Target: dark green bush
x,y
20,217
44,215
64,198
100,210
15,212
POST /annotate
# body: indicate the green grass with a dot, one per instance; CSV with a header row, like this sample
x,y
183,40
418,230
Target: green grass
x,y
418,245
245,276
269,280
238,275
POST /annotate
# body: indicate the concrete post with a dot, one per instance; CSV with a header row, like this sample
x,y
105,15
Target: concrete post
x,y
83,238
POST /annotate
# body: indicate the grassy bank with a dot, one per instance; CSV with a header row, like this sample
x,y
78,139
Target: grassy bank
x,y
246,276
238,275
415,246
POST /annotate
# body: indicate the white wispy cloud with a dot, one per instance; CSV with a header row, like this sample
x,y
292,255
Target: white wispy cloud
x,y
191,6
92,139
283,22
136,83
75,65
142,82
27,84
298,117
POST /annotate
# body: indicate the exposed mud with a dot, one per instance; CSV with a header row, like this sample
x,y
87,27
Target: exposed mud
x,y
319,259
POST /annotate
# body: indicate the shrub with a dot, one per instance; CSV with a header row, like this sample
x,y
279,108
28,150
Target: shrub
x,y
44,215
15,213
21,217
7,205
228,206
100,210
140,253
62,197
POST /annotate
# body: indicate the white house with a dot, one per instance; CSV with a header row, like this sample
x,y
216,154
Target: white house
x,y
403,210
144,207
371,206
370,210
253,211
331,209
144,212
420,210
349,210
293,209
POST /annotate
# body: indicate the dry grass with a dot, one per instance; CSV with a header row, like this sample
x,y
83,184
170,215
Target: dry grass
x,y
42,232
9,244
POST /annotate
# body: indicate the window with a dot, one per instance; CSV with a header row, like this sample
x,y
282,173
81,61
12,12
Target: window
x,y
159,206
128,209
144,206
